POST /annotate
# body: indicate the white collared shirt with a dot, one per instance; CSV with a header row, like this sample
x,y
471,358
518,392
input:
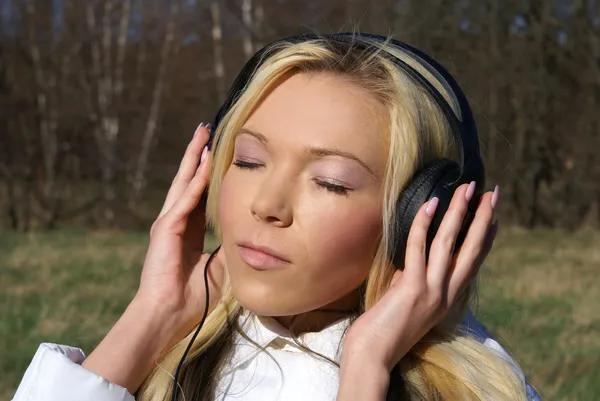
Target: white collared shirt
x,y
285,372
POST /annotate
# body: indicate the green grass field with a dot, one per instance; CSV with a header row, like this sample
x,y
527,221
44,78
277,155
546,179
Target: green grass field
x,y
539,294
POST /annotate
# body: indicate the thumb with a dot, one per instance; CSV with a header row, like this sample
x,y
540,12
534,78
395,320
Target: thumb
x,y
396,277
215,273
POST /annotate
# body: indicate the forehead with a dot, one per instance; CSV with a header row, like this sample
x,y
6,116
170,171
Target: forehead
x,y
323,110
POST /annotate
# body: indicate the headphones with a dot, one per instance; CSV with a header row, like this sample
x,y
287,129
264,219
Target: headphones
x,y
439,178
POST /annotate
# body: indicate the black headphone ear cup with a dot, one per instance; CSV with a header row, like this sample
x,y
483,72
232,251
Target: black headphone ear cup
x,y
429,181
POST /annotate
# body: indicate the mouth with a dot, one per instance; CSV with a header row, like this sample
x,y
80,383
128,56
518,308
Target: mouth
x,y
261,257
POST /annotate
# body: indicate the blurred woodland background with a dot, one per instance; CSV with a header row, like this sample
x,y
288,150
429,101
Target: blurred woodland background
x,y
98,99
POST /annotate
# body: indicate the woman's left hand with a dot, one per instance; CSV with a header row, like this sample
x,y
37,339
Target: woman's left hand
x,y
421,294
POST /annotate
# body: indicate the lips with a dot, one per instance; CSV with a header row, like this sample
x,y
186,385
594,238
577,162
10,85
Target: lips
x,y
261,257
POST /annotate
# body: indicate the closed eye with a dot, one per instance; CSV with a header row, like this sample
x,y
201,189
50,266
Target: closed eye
x,y
246,165
328,186
335,188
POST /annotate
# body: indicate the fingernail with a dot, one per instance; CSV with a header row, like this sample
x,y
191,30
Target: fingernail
x,y
209,127
495,196
470,191
433,203
203,156
197,128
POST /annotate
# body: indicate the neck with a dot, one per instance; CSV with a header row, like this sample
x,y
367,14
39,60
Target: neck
x,y
317,319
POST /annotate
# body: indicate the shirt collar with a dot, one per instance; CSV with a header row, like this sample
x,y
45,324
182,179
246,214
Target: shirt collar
x,y
264,330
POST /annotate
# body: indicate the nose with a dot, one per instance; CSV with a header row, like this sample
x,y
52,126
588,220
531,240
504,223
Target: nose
x,y
273,201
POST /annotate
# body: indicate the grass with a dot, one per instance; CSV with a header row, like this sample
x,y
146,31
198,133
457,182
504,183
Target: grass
x,y
539,295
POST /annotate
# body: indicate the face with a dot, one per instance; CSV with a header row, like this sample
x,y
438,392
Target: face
x,y
300,206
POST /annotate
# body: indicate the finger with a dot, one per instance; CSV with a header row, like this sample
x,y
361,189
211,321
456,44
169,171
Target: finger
x,y
455,293
215,268
396,277
415,259
196,227
191,196
187,168
487,247
475,244
442,247
490,241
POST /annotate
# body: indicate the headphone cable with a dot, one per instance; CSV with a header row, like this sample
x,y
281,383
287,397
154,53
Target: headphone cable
x,y
187,350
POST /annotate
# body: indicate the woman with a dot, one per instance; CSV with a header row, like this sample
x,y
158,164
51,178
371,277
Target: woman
x,y
307,297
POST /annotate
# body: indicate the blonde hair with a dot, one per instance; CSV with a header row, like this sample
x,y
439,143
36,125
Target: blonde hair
x,y
448,363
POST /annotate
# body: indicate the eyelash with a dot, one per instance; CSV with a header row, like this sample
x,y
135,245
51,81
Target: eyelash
x,y
246,165
334,188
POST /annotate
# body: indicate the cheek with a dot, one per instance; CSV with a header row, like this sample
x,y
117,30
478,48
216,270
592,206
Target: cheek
x,y
226,206
347,237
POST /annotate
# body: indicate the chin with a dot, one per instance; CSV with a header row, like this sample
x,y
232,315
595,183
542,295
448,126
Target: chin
x,y
261,302
264,300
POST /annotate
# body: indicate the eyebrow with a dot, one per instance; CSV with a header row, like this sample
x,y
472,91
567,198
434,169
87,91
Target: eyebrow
x,y
313,152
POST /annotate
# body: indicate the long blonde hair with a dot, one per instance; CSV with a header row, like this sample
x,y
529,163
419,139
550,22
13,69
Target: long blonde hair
x,y
448,363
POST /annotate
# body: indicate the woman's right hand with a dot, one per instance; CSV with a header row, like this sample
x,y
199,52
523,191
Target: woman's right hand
x,y
173,272
170,300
